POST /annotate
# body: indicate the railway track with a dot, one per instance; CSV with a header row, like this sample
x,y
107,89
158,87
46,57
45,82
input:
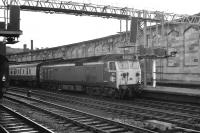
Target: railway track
x,y
138,112
84,122
13,122
177,107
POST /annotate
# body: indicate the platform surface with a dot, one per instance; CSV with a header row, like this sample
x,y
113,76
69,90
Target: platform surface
x,y
175,90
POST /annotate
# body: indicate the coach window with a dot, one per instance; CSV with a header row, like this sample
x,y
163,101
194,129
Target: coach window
x,y
112,66
29,71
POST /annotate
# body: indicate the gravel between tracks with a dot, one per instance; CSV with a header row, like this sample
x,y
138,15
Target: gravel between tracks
x,y
113,116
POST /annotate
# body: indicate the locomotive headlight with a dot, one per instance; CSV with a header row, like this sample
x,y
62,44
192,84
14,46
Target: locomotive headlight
x,y
113,77
137,74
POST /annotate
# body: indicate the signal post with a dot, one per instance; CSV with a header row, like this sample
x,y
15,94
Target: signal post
x,y
9,27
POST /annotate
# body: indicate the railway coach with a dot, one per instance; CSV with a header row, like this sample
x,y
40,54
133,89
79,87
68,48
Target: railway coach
x,y
23,74
3,74
107,75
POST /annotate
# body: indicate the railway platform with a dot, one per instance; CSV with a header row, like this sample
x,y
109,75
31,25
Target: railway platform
x,y
175,94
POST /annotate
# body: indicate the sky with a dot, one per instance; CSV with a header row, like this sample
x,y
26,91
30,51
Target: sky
x,y
51,30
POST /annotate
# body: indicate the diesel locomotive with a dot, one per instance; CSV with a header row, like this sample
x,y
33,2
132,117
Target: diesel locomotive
x,y
3,74
106,75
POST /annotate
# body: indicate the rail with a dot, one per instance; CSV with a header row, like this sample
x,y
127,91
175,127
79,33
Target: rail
x,y
12,121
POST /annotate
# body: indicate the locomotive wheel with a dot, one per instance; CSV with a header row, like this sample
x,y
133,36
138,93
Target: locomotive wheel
x,y
120,93
138,90
93,91
112,93
130,92
101,91
117,94
104,91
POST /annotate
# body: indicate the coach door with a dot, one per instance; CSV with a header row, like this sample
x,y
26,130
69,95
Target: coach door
x,y
110,73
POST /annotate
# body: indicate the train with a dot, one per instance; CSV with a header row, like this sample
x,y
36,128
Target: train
x,y
4,75
116,75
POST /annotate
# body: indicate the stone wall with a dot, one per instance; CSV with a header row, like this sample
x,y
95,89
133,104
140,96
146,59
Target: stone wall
x,y
101,46
184,38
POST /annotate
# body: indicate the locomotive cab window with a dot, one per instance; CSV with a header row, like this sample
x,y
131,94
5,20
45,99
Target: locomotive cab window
x,y
134,65
123,65
112,66
23,71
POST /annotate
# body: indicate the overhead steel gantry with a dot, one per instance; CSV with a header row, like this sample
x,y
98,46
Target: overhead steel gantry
x,y
69,7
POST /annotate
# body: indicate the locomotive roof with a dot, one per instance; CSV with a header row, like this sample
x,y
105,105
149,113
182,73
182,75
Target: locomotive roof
x,y
112,57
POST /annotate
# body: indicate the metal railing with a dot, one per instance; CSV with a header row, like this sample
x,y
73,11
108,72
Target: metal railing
x,y
107,11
